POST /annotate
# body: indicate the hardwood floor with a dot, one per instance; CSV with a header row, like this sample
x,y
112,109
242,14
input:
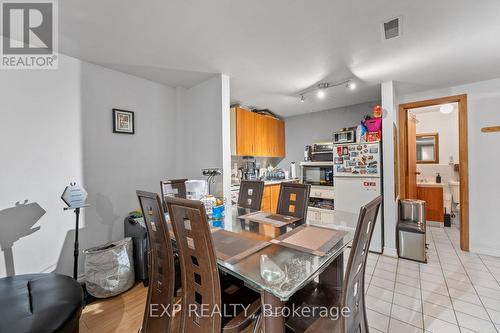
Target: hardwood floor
x,y
122,313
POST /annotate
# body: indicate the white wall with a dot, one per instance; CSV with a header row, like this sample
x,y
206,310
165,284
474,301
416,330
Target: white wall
x,y
390,152
484,178
116,165
203,114
314,127
447,127
41,152
57,128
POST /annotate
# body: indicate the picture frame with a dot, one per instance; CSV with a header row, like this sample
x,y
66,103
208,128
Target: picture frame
x,y
123,121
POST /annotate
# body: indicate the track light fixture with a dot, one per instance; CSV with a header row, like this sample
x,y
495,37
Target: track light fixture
x,y
320,88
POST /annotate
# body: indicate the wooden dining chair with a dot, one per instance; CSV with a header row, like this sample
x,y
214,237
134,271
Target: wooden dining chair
x,y
293,200
201,285
250,195
172,188
161,265
352,294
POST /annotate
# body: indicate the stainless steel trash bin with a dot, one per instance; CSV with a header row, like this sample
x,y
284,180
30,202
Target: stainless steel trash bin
x,y
412,230
412,210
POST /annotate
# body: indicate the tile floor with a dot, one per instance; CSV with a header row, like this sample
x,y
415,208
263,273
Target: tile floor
x,y
455,291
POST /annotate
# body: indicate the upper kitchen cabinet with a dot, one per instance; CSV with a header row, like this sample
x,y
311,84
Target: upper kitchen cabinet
x,y
245,132
253,134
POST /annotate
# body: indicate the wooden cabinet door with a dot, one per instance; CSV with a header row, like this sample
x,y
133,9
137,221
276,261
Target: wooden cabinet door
x,y
433,196
275,193
281,139
273,137
266,199
245,132
411,192
261,136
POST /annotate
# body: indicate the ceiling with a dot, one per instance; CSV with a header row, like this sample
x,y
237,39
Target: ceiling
x,y
274,49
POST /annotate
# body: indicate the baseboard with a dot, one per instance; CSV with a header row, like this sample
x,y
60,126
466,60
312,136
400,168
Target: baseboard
x,y
390,252
435,224
485,251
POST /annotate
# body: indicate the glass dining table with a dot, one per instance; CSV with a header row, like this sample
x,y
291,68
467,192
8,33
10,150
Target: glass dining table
x,y
300,267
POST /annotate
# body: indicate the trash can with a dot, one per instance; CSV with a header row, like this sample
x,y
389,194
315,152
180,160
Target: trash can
x,y
412,230
109,269
412,210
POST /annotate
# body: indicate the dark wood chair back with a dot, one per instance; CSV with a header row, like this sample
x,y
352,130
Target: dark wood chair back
x,y
353,295
161,265
200,275
293,200
172,188
251,192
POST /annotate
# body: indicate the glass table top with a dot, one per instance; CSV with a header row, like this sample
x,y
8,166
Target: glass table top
x,y
300,267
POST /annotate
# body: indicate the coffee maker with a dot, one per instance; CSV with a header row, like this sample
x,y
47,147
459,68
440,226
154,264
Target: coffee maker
x,y
249,169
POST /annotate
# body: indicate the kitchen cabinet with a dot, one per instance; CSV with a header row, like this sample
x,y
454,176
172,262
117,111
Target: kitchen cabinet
x,y
266,200
270,198
253,134
275,193
245,132
433,196
318,215
262,136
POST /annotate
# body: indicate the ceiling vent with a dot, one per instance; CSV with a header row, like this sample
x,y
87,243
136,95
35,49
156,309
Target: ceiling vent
x,y
392,28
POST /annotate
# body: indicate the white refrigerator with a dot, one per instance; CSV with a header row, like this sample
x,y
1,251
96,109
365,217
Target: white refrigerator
x,y
357,181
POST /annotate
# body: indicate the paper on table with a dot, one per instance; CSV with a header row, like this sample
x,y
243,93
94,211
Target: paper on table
x,y
310,238
276,220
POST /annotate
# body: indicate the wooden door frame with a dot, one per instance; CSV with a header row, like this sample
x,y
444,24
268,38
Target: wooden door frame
x,y
463,158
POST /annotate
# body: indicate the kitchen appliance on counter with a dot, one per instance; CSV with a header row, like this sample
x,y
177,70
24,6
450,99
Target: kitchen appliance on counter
x,y
322,152
293,170
276,174
307,153
317,173
345,135
249,170
357,177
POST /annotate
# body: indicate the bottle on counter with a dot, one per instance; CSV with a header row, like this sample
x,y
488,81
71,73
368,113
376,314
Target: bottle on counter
x,y
438,179
293,170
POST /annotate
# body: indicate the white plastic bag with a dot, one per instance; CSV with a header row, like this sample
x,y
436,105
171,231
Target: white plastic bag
x,y
109,269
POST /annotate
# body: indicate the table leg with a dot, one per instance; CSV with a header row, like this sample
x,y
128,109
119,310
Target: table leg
x,y
333,275
272,318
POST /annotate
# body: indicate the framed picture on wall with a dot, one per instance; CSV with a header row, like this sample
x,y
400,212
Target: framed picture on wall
x,y
123,121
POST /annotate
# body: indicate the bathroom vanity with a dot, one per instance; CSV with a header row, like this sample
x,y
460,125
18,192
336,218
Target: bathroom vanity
x,y
432,194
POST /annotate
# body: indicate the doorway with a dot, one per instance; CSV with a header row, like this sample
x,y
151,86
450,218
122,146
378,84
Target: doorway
x,y
428,151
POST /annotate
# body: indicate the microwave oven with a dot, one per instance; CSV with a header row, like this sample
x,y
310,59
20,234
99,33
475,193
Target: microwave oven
x,y
317,175
345,135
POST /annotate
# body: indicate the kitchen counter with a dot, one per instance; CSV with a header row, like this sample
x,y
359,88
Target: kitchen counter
x,y
268,182
270,196
429,184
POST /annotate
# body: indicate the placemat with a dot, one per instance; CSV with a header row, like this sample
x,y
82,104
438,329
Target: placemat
x,y
232,247
276,220
311,239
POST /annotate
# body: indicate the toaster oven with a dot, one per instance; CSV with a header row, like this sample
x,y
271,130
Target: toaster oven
x,y
322,152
